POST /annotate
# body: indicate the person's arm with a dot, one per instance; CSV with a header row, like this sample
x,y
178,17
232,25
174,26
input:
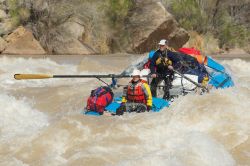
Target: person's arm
x,y
153,63
148,95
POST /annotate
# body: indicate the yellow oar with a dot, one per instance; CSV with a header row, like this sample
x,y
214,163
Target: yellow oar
x,y
45,76
32,76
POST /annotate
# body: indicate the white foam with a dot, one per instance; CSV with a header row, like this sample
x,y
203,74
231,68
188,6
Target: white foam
x,y
11,66
238,66
18,118
192,148
11,161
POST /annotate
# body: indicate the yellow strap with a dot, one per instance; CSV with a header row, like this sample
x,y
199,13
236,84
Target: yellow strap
x,y
169,62
124,100
158,61
205,81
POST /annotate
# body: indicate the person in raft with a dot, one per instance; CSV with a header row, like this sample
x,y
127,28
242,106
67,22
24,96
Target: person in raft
x,y
137,96
161,68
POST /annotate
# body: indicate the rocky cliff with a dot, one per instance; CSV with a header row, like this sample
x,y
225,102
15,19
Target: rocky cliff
x,y
88,27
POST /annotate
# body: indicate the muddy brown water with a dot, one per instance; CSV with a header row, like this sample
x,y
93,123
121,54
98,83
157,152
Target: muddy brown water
x,y
41,121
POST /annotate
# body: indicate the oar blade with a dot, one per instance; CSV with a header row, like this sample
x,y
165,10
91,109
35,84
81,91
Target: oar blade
x,y
32,76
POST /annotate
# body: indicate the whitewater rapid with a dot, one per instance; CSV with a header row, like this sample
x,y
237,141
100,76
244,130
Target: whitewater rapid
x,y
41,121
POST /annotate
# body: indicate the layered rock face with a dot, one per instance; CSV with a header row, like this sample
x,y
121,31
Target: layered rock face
x,y
69,39
149,23
22,42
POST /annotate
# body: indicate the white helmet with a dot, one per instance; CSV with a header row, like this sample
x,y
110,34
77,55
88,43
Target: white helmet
x,y
136,72
163,42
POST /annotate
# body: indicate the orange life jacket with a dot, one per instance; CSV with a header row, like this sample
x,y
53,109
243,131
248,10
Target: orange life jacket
x,y
135,93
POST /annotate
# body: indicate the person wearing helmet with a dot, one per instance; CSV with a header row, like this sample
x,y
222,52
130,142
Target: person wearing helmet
x,y
161,68
137,96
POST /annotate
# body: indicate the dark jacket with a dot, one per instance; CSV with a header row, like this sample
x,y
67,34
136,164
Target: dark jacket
x,y
184,63
160,69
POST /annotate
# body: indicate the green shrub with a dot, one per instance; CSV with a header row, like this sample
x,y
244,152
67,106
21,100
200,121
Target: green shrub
x,y
210,17
19,15
117,10
230,33
190,15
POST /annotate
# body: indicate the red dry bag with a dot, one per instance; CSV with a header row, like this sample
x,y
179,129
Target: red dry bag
x,y
99,99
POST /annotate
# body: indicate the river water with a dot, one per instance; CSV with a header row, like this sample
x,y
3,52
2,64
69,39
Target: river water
x,y
41,121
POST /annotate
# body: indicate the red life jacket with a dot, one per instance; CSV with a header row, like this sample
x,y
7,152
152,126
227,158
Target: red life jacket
x,y
99,99
135,93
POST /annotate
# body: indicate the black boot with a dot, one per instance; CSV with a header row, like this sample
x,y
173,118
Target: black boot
x,y
121,110
141,108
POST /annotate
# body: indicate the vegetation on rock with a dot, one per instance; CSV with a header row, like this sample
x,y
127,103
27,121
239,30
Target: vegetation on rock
x,y
19,13
226,20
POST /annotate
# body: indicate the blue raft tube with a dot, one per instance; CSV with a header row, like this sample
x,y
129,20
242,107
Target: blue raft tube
x,y
218,75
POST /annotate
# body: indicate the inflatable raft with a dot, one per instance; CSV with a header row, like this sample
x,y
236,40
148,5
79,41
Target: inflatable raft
x,y
219,77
